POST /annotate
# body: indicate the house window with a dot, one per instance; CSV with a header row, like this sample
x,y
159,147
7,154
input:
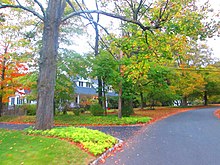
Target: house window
x,y
76,101
18,102
80,83
110,89
88,85
12,101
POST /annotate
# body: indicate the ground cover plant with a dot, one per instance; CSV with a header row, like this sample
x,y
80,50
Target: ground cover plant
x,y
94,141
19,148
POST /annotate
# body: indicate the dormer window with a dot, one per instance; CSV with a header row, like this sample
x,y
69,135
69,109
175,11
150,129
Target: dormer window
x,y
110,89
88,85
80,84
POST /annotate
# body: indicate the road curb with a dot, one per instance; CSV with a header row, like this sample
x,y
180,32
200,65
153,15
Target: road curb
x,y
102,158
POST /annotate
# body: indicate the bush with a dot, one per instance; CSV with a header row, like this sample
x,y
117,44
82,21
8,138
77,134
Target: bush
x,y
127,110
96,110
29,108
77,111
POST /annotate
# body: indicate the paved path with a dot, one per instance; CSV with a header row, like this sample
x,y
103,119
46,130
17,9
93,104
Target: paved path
x,y
190,138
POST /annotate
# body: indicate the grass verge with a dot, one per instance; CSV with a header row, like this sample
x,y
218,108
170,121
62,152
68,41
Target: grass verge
x,y
18,148
81,120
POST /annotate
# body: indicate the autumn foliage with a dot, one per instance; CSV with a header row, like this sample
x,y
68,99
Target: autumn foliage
x,y
10,71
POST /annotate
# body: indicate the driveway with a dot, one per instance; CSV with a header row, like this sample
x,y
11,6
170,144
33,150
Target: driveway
x,y
121,132
190,138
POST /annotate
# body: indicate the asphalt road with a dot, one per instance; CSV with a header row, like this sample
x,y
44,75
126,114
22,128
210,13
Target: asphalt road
x,y
190,138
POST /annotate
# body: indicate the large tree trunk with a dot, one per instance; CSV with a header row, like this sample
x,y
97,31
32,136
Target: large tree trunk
x,y
48,64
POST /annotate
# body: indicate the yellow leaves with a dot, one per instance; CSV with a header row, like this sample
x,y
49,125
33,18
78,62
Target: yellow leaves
x,y
7,1
189,81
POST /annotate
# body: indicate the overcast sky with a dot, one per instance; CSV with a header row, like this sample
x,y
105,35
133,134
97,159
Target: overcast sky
x,y
214,43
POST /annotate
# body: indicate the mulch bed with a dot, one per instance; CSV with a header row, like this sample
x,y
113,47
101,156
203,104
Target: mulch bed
x,y
163,112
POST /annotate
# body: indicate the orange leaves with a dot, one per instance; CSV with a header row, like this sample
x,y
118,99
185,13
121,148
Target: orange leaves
x,y
10,72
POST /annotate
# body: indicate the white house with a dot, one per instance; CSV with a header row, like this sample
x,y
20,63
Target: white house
x,y
19,98
84,89
87,89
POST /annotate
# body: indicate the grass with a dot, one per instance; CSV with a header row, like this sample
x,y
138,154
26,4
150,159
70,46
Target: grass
x,y
140,116
82,120
18,148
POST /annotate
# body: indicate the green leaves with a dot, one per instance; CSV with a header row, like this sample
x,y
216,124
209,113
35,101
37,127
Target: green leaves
x,y
95,141
105,66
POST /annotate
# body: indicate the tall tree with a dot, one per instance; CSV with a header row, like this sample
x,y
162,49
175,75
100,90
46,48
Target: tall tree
x,y
69,66
52,15
105,67
13,61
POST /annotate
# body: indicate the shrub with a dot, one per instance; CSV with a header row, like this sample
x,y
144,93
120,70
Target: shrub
x,y
29,108
96,110
127,110
77,111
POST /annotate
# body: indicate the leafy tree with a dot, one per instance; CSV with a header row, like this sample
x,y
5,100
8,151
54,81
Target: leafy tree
x,y
53,13
70,65
105,67
212,87
13,61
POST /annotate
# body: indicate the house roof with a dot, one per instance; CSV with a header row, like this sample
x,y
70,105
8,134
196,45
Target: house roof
x,y
91,91
84,90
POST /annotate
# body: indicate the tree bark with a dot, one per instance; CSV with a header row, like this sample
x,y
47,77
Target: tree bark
x,y
104,98
120,91
96,49
205,98
100,90
120,101
142,100
48,65
2,85
184,101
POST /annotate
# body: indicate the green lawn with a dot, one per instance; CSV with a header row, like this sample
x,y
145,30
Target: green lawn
x,y
18,148
82,120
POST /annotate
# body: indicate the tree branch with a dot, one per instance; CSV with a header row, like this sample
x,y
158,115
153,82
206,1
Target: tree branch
x,y
24,8
71,5
107,48
41,7
123,18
